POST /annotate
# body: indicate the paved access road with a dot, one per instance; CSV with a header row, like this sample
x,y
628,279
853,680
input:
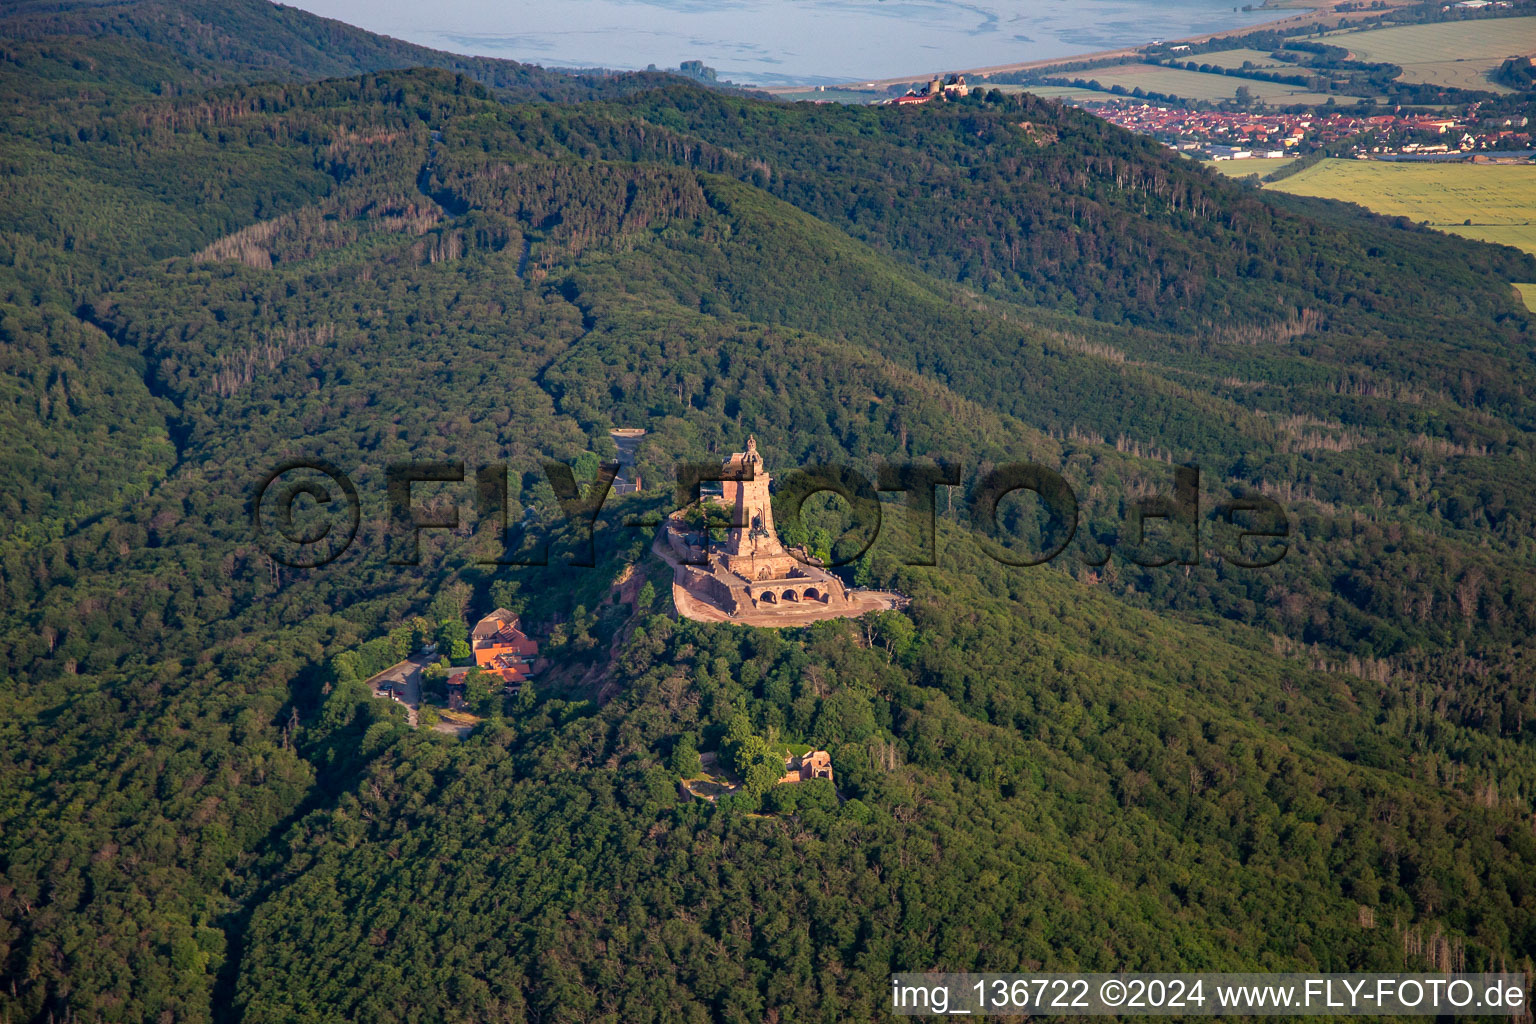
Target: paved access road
x,y
408,672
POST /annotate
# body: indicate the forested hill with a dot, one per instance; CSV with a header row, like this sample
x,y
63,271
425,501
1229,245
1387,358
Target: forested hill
x,y
192,44
1329,763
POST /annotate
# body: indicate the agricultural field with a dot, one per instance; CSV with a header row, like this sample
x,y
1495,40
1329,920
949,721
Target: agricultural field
x,y
1237,58
1458,197
1458,53
1490,203
1195,85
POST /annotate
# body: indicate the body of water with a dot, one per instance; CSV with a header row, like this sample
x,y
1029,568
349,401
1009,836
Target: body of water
x,y
786,42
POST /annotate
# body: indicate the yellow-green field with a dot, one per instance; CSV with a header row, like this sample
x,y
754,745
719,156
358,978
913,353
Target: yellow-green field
x,y
1521,236
1455,53
1237,58
1440,194
1243,168
1499,200
1056,92
1194,85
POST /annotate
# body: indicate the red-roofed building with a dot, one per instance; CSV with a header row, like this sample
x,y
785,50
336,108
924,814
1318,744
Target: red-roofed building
x,y
502,649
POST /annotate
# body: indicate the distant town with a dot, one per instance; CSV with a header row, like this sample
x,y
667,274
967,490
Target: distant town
x,y
1243,135
1226,135
1388,81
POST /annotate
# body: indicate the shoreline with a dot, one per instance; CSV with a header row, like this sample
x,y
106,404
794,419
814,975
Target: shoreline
x,y
1305,16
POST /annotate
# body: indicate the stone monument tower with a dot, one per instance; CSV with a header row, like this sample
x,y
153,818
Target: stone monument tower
x,y
752,547
750,577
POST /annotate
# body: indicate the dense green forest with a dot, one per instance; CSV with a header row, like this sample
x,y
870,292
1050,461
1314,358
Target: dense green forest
x,y
237,234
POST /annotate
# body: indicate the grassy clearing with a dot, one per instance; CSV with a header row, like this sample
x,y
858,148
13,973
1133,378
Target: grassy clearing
x,y
1243,168
1458,53
1195,85
1527,295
